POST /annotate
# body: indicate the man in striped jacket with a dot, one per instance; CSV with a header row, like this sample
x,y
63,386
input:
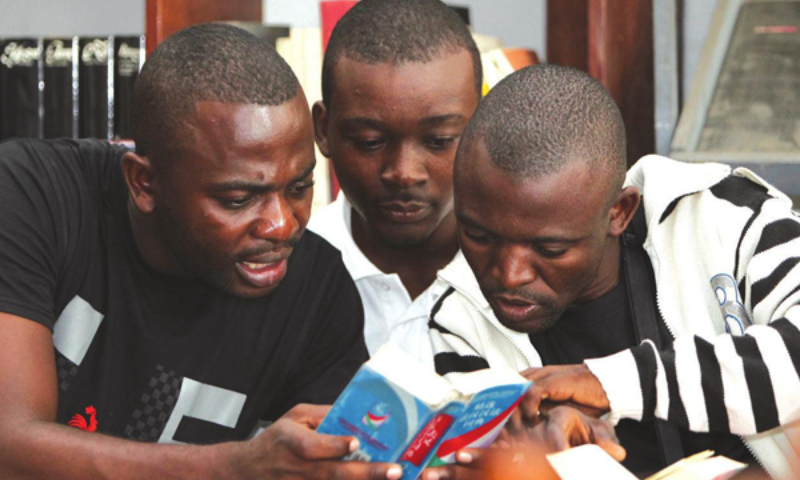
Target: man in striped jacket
x,y
667,299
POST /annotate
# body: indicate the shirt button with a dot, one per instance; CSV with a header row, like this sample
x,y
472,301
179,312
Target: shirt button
x,y
385,287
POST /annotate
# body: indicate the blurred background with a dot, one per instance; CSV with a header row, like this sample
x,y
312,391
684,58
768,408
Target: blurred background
x,y
698,80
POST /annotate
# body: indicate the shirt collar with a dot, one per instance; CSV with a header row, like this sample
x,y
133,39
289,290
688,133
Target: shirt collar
x,y
354,259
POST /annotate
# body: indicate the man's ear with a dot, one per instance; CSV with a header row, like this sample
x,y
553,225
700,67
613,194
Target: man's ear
x,y
623,210
140,178
320,116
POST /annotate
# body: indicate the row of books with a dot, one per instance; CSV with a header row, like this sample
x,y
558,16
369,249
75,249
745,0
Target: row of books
x,y
76,87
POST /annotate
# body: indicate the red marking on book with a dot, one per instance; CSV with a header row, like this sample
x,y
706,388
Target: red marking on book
x,y
426,439
361,434
454,444
79,421
776,29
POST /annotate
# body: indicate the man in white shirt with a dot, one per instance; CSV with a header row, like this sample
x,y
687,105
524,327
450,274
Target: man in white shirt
x,y
400,81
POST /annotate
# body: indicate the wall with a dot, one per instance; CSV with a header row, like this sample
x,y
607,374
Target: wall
x,y
696,22
516,22
519,23
40,18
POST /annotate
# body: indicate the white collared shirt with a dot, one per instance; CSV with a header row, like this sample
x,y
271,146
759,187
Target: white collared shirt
x,y
389,312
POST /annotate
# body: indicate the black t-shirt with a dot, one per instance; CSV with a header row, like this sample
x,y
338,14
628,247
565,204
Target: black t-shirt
x,y
603,327
149,356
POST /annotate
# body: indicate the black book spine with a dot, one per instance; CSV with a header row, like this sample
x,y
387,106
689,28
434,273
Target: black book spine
x,y
21,81
96,86
128,60
60,88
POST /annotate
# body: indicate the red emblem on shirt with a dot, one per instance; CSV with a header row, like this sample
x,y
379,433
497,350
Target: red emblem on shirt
x,y
78,420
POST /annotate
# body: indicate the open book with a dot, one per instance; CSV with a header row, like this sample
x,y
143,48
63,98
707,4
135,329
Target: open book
x,y
590,461
403,412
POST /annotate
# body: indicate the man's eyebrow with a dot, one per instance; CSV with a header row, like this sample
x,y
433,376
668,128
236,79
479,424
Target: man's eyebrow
x,y
362,122
473,224
257,187
538,240
427,121
439,119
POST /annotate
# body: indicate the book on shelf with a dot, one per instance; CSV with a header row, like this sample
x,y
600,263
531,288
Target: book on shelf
x,y
96,87
500,62
21,96
60,87
330,11
403,412
302,50
129,55
591,461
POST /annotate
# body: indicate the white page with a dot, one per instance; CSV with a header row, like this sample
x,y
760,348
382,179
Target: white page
x,y
588,461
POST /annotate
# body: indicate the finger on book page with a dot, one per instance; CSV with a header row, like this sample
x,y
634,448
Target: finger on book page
x,y
563,427
604,436
546,406
515,427
531,403
566,383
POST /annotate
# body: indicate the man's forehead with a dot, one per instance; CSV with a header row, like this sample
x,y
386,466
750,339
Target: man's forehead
x,y
246,125
482,187
447,73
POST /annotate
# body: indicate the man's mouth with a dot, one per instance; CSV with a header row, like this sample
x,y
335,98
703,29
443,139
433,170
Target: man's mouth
x,y
404,211
263,273
515,309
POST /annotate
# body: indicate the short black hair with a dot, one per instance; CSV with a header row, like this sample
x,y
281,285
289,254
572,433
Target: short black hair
x,y
397,32
542,117
209,62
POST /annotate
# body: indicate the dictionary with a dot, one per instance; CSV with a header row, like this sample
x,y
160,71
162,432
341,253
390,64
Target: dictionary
x,y
96,87
128,60
20,88
403,412
60,87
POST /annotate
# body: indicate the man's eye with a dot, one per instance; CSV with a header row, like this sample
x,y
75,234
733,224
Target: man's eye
x,y
476,236
301,189
235,203
368,145
440,143
551,252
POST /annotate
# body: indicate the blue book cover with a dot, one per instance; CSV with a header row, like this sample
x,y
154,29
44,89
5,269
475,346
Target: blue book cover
x,y
402,412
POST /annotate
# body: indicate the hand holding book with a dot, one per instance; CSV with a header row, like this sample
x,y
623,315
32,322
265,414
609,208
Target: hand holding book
x,y
402,412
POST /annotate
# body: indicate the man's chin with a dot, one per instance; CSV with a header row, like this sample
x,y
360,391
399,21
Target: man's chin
x,y
404,236
532,325
236,287
249,293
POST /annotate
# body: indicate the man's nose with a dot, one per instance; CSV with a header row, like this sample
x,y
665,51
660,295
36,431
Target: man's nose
x,y
512,268
276,221
405,167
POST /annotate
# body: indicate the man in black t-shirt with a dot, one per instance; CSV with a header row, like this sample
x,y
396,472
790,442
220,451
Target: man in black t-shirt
x,y
169,294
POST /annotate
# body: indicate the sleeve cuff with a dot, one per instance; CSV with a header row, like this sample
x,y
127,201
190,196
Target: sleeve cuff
x,y
619,377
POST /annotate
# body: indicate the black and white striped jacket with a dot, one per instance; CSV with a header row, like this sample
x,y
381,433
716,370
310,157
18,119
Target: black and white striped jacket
x,y
725,249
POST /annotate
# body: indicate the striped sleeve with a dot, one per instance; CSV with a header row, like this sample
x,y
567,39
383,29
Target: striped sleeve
x,y
740,384
452,354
